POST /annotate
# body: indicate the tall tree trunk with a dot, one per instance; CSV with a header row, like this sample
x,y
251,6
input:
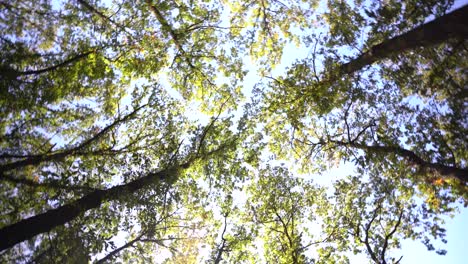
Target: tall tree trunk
x,y
45,222
452,25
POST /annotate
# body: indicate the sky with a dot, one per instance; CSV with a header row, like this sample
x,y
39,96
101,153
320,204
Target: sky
x,y
457,233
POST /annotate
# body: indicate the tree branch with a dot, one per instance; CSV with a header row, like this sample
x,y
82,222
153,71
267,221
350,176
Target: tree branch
x,y
49,185
223,244
52,68
389,235
37,159
460,174
117,250
102,16
366,238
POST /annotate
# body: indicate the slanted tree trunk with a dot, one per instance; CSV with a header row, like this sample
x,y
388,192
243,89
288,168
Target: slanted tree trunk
x,y
452,25
444,171
45,222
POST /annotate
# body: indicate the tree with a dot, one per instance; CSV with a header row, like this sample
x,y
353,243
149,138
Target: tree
x,y
125,134
353,113
282,205
71,63
374,215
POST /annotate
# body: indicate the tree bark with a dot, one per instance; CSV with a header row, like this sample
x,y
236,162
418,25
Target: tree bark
x,y
447,172
452,25
45,222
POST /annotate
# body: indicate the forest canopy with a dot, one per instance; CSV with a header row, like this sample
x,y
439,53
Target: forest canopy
x,y
181,131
